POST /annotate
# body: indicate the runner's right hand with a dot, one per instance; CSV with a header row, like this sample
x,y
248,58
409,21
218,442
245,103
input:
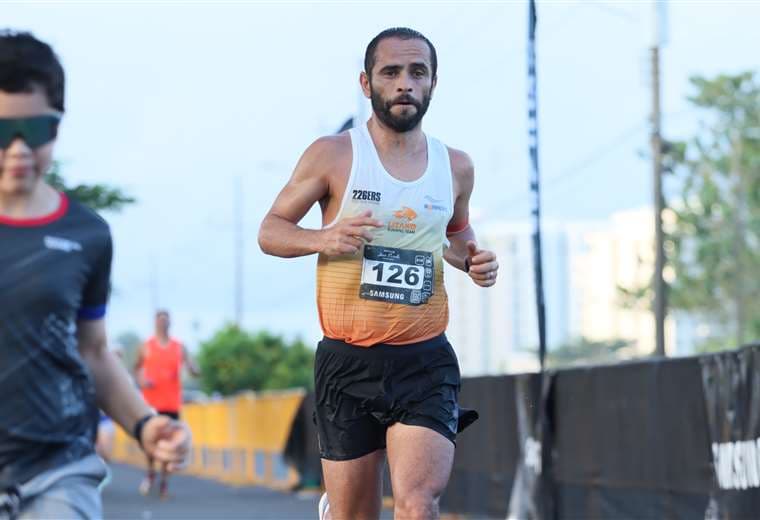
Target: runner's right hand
x,y
143,381
348,235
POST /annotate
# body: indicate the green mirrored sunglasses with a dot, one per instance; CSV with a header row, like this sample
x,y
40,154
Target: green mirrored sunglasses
x,y
35,131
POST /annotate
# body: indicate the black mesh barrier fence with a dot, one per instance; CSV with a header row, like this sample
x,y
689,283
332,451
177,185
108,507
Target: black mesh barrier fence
x,y
658,438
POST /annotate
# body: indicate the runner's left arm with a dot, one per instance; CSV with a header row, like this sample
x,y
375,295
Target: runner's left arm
x,y
190,363
463,252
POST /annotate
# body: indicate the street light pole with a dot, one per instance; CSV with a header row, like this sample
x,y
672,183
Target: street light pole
x,y
658,281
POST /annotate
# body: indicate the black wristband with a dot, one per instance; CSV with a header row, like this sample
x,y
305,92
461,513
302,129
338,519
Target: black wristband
x,y
139,425
466,264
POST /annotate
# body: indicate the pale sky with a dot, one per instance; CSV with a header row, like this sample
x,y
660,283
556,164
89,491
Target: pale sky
x,y
174,102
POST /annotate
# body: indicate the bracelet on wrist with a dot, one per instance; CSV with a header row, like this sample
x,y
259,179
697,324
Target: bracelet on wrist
x,y
138,428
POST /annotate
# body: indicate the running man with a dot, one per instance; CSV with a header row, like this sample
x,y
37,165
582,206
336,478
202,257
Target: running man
x,y
55,367
159,369
394,205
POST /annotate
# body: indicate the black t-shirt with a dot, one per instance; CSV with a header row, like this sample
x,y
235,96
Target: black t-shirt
x,y
54,271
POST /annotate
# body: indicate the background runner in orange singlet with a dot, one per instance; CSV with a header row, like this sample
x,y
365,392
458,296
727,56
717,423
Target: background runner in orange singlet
x,y
159,368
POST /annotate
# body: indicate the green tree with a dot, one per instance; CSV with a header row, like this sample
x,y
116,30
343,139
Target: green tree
x,y
96,196
713,244
234,360
294,369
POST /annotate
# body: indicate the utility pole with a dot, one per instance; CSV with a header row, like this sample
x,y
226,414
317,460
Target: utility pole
x,y
740,246
658,282
239,245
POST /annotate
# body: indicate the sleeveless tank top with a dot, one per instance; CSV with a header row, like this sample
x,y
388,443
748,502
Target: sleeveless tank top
x,y
161,366
391,291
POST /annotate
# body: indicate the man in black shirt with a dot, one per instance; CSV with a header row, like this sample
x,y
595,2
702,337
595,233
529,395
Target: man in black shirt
x,y
55,263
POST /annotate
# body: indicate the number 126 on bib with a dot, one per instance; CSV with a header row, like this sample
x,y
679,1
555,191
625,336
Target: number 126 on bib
x,y
396,275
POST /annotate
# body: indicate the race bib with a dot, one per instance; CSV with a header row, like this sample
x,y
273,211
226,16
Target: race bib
x,y
395,275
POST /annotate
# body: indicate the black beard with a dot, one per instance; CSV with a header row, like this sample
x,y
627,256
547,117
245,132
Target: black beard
x,y
404,123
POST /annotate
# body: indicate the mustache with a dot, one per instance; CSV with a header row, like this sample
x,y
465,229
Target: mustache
x,y
406,98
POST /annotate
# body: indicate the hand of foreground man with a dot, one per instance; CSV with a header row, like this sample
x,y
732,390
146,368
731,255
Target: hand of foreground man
x,y
168,441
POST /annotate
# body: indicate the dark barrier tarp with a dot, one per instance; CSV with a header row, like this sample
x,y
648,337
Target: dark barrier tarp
x,y
627,441
302,447
487,452
631,441
732,398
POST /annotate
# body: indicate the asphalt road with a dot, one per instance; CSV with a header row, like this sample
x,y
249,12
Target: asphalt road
x,y
199,499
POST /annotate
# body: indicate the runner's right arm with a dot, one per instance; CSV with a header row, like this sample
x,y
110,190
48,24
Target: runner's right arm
x,y
313,181
164,439
139,359
139,371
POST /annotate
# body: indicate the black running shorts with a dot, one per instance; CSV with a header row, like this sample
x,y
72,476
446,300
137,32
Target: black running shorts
x,y
361,391
174,415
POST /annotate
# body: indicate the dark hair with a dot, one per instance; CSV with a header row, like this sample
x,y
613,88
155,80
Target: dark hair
x,y
402,33
162,312
27,63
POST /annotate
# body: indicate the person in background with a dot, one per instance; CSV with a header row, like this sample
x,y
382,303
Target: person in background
x,y
158,370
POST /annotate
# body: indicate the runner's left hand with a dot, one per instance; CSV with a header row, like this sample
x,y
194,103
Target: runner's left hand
x,y
167,441
483,265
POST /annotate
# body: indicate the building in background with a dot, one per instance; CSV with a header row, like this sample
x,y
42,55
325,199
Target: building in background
x,y
585,263
620,254
494,330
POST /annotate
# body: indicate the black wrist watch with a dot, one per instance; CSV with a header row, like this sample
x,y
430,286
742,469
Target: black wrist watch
x,y
139,425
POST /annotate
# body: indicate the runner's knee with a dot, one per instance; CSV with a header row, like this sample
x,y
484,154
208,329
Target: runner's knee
x,y
416,504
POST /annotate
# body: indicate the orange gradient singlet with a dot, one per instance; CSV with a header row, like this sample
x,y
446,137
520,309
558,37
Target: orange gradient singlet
x,y
392,290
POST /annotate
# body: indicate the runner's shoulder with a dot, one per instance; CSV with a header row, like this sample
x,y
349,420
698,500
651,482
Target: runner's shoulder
x,y
329,154
87,217
462,166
